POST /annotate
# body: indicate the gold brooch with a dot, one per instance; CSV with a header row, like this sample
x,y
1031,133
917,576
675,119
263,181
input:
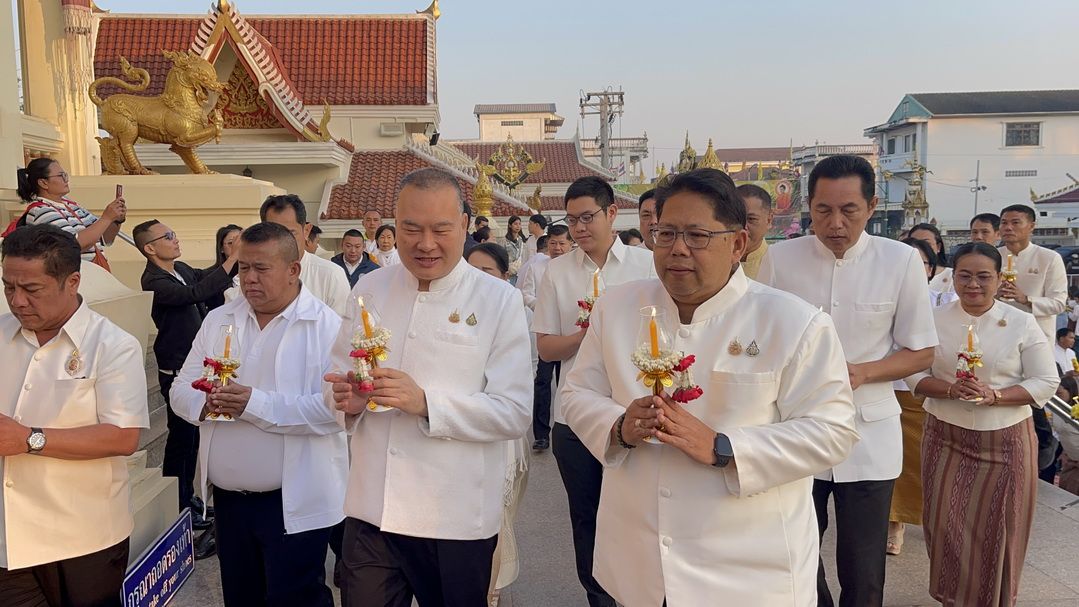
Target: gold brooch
x,y
1002,323
471,320
455,317
753,350
735,348
74,363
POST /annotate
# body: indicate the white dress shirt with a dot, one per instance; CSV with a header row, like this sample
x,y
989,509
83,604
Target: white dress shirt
x,y
528,250
1065,357
286,399
530,277
942,282
440,477
1041,277
55,509
569,279
1014,354
879,300
325,280
669,527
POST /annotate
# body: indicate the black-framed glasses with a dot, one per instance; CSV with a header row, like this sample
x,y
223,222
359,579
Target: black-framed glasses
x,y
694,239
585,218
169,236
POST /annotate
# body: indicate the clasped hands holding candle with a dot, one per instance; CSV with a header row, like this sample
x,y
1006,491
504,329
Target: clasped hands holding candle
x,y
393,388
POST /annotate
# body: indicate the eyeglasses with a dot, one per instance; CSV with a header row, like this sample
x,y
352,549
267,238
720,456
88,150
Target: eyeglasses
x,y
169,236
62,175
694,239
962,278
585,218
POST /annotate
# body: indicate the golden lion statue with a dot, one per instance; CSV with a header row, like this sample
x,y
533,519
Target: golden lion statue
x,y
175,116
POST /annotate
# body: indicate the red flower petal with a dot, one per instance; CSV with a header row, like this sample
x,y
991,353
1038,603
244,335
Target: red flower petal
x,y
358,353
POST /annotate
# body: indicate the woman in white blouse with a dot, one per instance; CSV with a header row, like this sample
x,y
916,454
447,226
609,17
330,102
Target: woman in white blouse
x,y
386,253
979,452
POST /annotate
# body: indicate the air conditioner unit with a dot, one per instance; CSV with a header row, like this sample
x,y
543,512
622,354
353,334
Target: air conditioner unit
x,y
391,129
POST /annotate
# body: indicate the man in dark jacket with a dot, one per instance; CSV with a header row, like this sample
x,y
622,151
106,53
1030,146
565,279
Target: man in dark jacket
x,y
180,293
353,258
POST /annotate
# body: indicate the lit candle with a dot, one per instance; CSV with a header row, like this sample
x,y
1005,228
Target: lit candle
x,y
1010,262
366,319
595,283
653,332
228,342
970,338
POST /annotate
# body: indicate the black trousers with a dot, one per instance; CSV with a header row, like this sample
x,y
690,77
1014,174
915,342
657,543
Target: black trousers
x,y
181,446
91,580
261,565
582,476
861,520
386,569
546,372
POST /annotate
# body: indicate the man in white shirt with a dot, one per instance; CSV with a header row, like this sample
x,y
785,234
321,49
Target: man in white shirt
x,y
1041,284
759,217
537,265
320,276
424,503
279,468
735,519
74,401
875,290
646,216
537,226
1063,350
372,219
601,259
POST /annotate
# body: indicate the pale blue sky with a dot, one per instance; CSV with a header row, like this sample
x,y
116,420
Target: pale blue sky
x,y
744,73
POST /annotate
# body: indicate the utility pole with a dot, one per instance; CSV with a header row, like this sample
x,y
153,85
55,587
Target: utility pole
x,y
605,104
977,187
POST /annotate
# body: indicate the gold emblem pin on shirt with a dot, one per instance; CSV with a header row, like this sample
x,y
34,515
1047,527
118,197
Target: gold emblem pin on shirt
x,y
1002,323
753,350
455,317
471,320
735,348
74,363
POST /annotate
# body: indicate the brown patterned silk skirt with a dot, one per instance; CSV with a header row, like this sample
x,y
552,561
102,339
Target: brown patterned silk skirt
x,y
980,490
907,495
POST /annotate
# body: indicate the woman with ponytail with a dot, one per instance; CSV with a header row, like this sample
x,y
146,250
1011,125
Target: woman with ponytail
x,y
44,186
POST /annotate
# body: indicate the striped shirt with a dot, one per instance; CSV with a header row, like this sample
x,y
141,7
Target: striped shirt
x,y
66,215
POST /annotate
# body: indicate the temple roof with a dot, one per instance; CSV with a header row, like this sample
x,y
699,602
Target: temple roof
x,y
514,108
1068,194
564,160
339,60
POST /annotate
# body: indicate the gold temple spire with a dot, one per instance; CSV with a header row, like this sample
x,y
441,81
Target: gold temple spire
x,y
430,10
710,160
483,192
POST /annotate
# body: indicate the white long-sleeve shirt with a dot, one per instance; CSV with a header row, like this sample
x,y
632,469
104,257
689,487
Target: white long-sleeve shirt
x,y
465,343
530,277
747,532
323,278
878,299
286,401
1040,275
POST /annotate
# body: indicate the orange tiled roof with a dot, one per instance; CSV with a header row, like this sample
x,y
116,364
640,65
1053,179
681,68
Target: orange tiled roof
x,y
350,60
564,164
372,184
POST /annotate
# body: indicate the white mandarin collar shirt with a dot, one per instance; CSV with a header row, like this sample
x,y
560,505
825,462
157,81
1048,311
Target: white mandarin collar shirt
x,y
1014,354
746,532
1041,276
530,277
879,301
325,280
465,343
286,401
1064,357
54,509
569,279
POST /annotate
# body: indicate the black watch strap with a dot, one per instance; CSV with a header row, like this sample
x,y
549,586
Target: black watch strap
x,y
723,451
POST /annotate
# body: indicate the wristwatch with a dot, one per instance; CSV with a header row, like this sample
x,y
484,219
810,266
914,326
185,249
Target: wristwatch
x,y
723,450
36,441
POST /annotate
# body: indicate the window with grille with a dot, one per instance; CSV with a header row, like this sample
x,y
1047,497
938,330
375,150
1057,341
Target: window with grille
x,y
1021,173
513,123
891,145
1022,134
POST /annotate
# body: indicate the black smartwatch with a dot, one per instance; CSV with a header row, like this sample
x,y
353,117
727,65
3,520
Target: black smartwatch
x,y
722,448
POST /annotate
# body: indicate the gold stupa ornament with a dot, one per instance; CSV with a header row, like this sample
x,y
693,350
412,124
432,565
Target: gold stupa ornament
x,y
513,164
483,192
687,160
710,160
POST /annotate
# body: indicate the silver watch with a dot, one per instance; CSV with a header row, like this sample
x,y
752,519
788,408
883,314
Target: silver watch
x,y
36,441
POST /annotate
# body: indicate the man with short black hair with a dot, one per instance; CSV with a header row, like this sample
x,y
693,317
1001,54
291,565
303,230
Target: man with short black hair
x,y
1041,283
481,222
72,405
353,258
646,214
180,296
758,221
985,227
372,220
1063,351
887,330
279,467
537,226
601,259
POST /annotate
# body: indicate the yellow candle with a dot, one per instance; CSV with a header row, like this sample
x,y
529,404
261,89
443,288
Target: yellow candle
x,y
228,343
970,338
1010,262
595,283
653,332
366,319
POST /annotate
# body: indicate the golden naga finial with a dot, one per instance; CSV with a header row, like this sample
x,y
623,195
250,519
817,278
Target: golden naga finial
x,y
534,201
222,5
710,160
324,124
1033,196
431,10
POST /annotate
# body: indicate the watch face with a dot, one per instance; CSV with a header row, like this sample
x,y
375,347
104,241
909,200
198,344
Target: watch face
x,y
36,441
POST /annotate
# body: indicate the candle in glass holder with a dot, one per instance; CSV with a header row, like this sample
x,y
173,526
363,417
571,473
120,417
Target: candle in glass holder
x,y
1010,256
595,283
970,338
366,319
654,334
